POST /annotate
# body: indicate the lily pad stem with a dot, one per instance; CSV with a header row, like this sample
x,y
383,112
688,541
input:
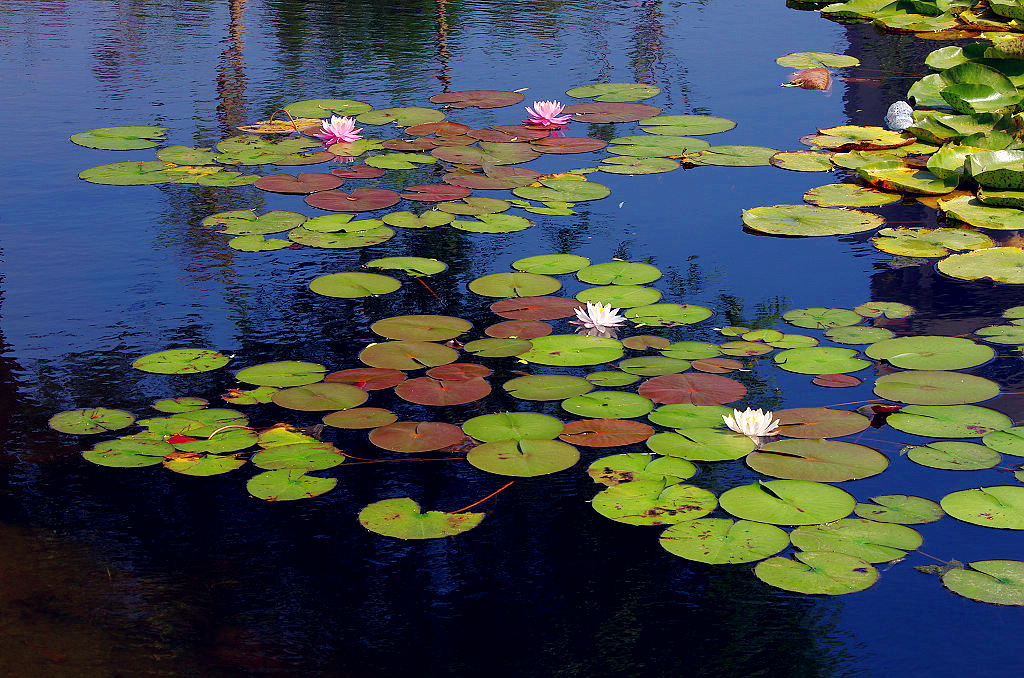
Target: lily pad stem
x,y
464,508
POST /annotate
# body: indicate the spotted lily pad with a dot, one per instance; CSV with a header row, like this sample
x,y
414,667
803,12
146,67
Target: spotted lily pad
x,y
954,455
893,175
651,502
181,361
1001,264
929,242
667,315
402,518
865,539
973,212
803,161
808,220
849,195
701,444
283,373
719,541
1000,582
900,508
948,421
246,222
817,572
625,468
1000,506
523,458
859,138
288,485
90,420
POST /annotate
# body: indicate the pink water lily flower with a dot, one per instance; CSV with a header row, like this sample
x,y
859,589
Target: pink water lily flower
x,y
338,129
546,114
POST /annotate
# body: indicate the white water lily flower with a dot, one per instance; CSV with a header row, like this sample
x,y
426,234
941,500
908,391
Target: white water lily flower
x,y
752,423
598,317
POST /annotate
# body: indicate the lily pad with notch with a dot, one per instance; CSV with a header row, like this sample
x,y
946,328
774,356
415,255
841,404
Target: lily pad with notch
x,y
651,502
489,428
414,266
543,387
614,91
360,417
123,138
416,436
523,458
121,453
827,461
948,421
685,125
625,468
353,285
321,397
865,539
900,508
1001,264
407,355
809,220
246,222
701,444
817,572
605,432
89,420
719,541
953,455
429,219
283,373
602,112
181,361
788,502
1000,506
288,485
402,518
935,387
477,98
931,352
421,327
358,200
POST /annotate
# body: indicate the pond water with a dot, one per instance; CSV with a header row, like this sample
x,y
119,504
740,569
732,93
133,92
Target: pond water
x,y
138,572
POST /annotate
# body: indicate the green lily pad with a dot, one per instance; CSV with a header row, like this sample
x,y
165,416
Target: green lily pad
x,y
261,394
859,334
687,416
655,146
819,422
547,387
634,165
653,366
414,266
551,264
849,195
400,161
719,541
1001,264
228,440
403,116
997,169
929,242
686,125
346,238
489,153
611,378
429,219
282,374
187,155
135,453
994,197
288,485
865,539
401,518
954,455
900,508
938,387
325,108
257,243
667,315
126,138
614,91
808,220
889,309
1000,582
827,461
733,156
181,361
930,353
514,285
948,421
618,273
490,428
626,468
620,296
563,190
245,222
299,456
803,161
893,175
572,350
820,318
494,223
607,405
407,355
650,502
820,360
701,444
353,285
1009,441
815,59
130,173
1000,506
975,88
421,327
523,458
181,404
320,397
691,350
788,502
974,212
498,348
193,464
474,205
90,420
818,572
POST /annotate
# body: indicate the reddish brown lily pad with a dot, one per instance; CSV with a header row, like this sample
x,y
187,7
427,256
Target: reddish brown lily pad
x,y
414,145
506,134
453,141
610,112
299,159
477,98
416,436
536,308
518,329
306,182
429,391
642,342
489,153
459,372
435,192
605,432
359,200
565,145
368,378
445,128
358,172
836,380
493,178
696,389
819,422
361,417
716,365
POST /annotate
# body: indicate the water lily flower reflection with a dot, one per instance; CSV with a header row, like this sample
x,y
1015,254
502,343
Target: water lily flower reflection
x,y
338,129
597,319
546,114
752,423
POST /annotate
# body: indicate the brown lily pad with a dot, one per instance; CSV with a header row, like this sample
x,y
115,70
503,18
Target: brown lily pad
x,y
478,98
605,432
306,182
836,380
429,391
519,329
368,378
360,417
459,372
610,112
435,192
488,153
696,389
358,172
416,436
359,200
414,145
565,145
445,128
716,365
819,422
536,308
507,134
492,178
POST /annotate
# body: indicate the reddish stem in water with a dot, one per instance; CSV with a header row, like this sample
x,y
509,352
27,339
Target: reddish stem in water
x,y
464,508
428,288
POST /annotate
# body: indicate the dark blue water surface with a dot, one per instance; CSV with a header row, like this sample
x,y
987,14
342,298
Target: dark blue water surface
x,y
121,572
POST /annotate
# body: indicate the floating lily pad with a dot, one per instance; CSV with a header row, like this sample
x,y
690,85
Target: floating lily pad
x,y
494,223
849,195
489,153
1000,506
948,421
572,350
477,98
819,422
972,211
611,378
788,502
325,108
642,342
614,91
519,329
563,190
498,348
181,361
523,458
568,145
893,175
820,360
686,125
125,138
402,161
701,444
808,220
351,149
547,387
261,394
815,59
401,518
930,353
667,315
257,243
859,138
803,161
130,173
859,334
320,397
718,541
186,155
513,426
440,392
818,572
414,266
827,461
343,239
430,219
605,432
288,485
245,222
865,539
1000,582
309,182
514,285
650,502
733,156
691,350
601,112
474,205
820,318
421,327
620,296
299,456
196,464
997,169
935,387
403,116
889,309
1002,334
929,242
493,177
1009,441
551,264
407,355
181,404
625,468
434,192
687,416
360,417
358,172
655,146
652,366
900,508
359,200
696,389
618,273
353,285
135,453
227,440
1001,264
632,165
282,374
954,455
90,420
975,88
607,405
416,436
535,308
